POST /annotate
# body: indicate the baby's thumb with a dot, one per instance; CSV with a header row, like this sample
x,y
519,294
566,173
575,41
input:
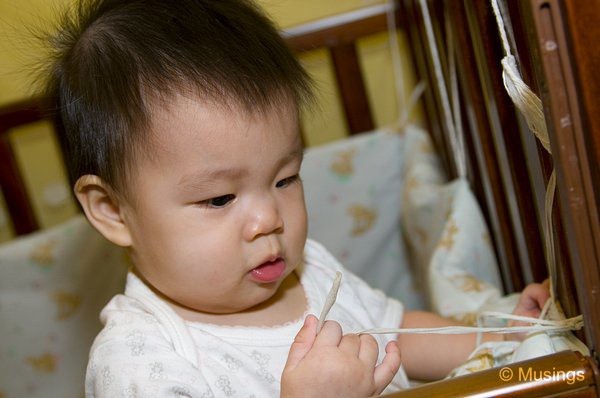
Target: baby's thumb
x,y
302,343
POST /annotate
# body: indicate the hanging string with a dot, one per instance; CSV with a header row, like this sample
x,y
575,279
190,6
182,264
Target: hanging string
x,y
522,96
530,106
549,234
450,123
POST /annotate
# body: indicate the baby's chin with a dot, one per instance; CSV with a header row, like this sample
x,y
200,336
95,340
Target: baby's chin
x,y
260,299
199,312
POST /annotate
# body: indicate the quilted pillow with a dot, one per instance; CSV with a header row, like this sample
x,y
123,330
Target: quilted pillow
x,y
53,285
444,228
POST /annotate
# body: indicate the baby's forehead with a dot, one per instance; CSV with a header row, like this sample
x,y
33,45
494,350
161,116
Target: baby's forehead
x,y
201,113
183,120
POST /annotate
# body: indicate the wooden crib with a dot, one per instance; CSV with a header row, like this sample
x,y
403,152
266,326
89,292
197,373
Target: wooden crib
x,y
508,170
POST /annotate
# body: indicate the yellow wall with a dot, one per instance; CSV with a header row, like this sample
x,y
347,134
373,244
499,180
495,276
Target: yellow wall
x,y
18,46
293,12
18,18
19,50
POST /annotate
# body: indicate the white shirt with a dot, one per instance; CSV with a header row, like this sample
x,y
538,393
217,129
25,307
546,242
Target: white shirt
x,y
147,350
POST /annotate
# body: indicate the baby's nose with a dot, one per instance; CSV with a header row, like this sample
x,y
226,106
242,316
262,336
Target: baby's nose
x,y
264,218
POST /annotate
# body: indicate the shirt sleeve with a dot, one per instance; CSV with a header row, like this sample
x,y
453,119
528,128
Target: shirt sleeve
x,y
380,310
369,307
139,364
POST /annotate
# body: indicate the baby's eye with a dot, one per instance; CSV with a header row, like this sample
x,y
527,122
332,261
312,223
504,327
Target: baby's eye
x,y
287,181
219,201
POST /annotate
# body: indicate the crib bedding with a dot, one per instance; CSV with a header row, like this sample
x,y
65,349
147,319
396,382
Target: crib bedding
x,y
353,191
53,285
444,228
381,203
363,198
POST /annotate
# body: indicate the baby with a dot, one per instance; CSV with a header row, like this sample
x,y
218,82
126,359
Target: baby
x,y
182,137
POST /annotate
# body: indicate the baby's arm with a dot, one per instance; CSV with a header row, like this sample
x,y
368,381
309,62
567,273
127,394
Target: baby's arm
x,y
433,356
329,364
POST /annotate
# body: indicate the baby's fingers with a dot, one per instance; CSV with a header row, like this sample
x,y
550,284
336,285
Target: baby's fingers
x,y
302,343
350,344
532,300
538,294
330,335
386,370
369,350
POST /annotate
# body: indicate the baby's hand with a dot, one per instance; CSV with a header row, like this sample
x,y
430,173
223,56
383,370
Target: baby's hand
x,y
530,304
330,364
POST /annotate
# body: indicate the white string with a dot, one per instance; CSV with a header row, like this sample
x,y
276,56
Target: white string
x,y
525,100
522,96
330,300
530,106
501,25
549,235
457,149
567,325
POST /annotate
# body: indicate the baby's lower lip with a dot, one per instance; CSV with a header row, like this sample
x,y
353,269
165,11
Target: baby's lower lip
x,y
269,271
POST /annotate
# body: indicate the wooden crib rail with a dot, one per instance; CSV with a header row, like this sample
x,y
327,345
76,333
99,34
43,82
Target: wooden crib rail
x,y
339,35
12,184
564,374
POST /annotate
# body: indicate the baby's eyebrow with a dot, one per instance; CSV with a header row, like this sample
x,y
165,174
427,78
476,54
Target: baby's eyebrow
x,y
206,176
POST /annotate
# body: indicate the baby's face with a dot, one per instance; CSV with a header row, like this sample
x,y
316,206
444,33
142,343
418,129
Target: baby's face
x,y
218,219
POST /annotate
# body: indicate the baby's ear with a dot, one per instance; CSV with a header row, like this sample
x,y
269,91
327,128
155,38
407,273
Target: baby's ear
x,y
103,209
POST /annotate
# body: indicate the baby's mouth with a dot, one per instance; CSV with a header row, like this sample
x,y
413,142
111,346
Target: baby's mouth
x,y
269,271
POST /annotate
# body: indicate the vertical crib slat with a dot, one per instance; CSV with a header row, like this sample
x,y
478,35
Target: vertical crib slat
x,y
12,184
410,19
567,44
14,191
352,88
339,37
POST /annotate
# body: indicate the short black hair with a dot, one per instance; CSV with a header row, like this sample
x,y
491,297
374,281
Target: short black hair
x,y
111,59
